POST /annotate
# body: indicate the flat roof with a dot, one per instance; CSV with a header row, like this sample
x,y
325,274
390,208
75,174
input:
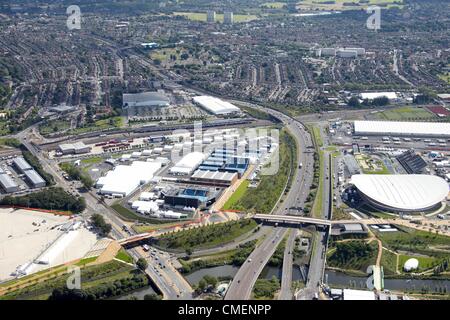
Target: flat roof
x,y
374,95
403,128
188,163
403,191
22,164
34,177
215,105
151,98
214,175
351,294
7,182
125,179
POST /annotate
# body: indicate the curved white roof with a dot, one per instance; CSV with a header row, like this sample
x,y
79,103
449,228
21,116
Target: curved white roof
x,y
411,264
403,192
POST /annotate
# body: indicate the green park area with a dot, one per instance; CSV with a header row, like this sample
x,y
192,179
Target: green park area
x,y
273,5
405,114
265,196
206,237
353,255
101,281
235,257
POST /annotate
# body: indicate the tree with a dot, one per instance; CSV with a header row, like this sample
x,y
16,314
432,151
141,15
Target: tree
x,y
99,222
142,264
152,296
354,102
202,285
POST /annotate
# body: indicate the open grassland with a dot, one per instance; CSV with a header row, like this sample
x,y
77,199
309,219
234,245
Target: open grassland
x,y
237,195
405,114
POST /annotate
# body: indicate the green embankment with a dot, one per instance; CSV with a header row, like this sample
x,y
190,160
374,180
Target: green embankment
x,y
207,236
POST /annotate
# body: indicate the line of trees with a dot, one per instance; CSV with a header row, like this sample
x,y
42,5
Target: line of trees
x,y
99,222
51,199
75,173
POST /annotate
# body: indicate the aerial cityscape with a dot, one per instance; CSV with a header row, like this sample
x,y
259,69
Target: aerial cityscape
x,y
225,150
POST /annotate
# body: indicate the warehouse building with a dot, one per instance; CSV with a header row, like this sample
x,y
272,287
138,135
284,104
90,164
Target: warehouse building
x,y
8,184
188,164
399,128
74,148
123,180
401,193
392,96
216,106
214,177
21,165
34,179
145,99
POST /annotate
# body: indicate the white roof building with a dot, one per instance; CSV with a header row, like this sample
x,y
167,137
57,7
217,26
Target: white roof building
x,y
402,193
188,163
125,179
351,294
215,105
374,95
424,129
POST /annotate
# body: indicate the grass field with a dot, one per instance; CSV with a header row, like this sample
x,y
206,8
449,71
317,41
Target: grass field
x,y
410,239
445,77
200,16
237,195
389,262
425,263
405,114
124,256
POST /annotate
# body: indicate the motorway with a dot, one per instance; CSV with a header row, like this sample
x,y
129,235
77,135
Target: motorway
x,y
286,275
243,282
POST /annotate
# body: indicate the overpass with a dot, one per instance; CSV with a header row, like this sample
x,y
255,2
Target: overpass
x,y
292,219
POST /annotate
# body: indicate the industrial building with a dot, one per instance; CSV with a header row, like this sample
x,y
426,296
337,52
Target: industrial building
x,y
225,162
34,179
401,193
189,197
188,164
215,106
214,177
210,16
8,184
348,229
123,180
399,128
345,53
145,99
21,164
412,162
141,104
392,96
228,17
74,148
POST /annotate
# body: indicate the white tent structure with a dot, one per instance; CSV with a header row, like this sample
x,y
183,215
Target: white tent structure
x,y
188,163
123,180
